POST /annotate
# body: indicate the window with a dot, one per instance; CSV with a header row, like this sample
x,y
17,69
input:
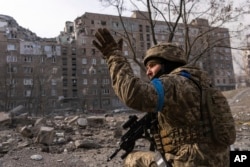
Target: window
x,y
64,61
140,28
54,70
53,59
53,92
12,82
11,47
92,71
27,59
73,50
84,61
43,92
115,24
84,91
84,71
94,61
65,82
43,59
11,92
85,81
103,61
141,37
12,69
105,101
94,81
11,59
53,81
92,32
27,93
64,51
106,81
28,70
105,91
28,81
84,51
103,23
148,37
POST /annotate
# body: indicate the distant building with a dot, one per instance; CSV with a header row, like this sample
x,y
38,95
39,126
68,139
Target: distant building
x,y
47,75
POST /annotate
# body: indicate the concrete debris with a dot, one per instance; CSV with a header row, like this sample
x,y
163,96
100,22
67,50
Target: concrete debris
x,y
80,140
36,157
45,135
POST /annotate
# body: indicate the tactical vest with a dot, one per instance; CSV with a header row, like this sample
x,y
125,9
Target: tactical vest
x,y
215,126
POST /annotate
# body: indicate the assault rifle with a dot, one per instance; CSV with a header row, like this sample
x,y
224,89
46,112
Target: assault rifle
x,y
137,129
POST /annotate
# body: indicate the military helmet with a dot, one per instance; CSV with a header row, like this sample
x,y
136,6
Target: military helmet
x,y
166,51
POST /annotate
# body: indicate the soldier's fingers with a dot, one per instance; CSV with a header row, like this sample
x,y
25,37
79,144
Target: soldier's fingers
x,y
99,36
97,45
107,36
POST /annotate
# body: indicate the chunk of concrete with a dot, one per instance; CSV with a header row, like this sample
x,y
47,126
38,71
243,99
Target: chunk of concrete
x,y
96,121
45,135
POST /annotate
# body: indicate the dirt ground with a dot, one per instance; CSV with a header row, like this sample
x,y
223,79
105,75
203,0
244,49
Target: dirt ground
x,y
24,153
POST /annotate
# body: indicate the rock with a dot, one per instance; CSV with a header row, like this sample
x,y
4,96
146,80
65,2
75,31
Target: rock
x,y
45,135
96,121
86,144
16,111
5,119
71,121
26,132
82,122
36,157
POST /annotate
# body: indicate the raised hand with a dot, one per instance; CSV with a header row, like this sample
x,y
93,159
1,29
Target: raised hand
x,y
106,43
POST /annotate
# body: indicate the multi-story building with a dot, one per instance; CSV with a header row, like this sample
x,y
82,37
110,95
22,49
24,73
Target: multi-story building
x,y
31,69
74,70
217,60
246,62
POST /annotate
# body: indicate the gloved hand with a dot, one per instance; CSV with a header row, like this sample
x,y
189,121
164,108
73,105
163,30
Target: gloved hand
x,y
107,45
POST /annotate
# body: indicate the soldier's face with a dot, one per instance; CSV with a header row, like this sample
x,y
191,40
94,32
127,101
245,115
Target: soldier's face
x,y
152,69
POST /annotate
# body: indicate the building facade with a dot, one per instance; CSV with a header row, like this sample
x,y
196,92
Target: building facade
x,y
69,73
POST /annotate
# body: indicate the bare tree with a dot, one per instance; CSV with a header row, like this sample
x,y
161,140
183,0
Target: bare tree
x,y
182,16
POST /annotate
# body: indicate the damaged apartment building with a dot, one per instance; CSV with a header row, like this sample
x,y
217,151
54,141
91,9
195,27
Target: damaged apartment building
x,y
68,72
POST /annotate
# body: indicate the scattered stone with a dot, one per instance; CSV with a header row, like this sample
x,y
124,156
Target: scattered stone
x,y
86,144
45,135
73,120
26,132
36,157
82,122
96,121
5,119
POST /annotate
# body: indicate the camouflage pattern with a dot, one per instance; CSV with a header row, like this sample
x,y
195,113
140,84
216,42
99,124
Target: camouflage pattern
x,y
167,51
140,159
181,109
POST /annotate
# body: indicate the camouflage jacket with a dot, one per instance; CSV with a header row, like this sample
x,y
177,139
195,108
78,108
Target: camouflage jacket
x,y
181,108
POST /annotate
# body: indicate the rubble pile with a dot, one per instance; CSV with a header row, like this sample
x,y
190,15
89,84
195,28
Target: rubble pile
x,y
84,140
89,139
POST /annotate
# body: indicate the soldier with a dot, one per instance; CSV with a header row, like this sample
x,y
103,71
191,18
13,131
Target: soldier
x,y
182,140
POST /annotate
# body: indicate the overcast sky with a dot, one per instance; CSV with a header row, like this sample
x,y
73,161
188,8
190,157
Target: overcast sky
x,y
47,18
